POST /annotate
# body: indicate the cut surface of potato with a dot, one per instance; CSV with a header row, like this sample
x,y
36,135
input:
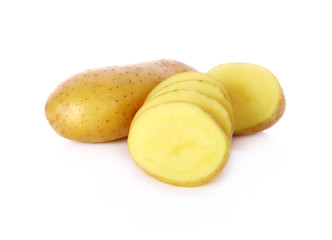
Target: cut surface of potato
x,y
189,75
257,98
178,143
207,88
191,96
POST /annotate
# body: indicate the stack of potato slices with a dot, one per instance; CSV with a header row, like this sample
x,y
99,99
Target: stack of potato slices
x,y
182,134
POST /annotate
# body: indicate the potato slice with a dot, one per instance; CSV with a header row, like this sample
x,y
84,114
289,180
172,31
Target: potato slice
x,y
257,98
189,75
191,96
178,143
207,88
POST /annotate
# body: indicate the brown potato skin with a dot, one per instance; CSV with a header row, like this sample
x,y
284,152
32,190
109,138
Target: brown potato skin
x,y
98,105
269,122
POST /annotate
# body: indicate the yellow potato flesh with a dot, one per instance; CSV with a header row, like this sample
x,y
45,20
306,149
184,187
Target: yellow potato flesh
x,y
190,75
178,143
191,96
98,105
207,88
257,97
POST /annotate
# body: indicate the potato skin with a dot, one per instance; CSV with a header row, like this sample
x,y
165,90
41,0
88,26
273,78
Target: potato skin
x,y
98,105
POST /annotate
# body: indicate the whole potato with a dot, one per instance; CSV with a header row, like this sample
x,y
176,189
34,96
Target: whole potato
x,y
98,105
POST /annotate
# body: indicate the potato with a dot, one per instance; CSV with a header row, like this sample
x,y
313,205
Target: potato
x,y
178,143
189,76
186,95
98,105
257,97
207,88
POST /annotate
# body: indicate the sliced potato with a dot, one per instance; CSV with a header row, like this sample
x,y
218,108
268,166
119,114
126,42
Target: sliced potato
x,y
257,98
191,96
178,143
189,75
207,88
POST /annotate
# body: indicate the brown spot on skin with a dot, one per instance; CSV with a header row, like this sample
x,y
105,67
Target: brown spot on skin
x,y
131,93
97,108
107,121
110,89
116,100
124,96
117,86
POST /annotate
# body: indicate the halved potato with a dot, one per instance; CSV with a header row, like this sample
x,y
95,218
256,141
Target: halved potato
x,y
179,143
257,98
190,75
191,96
207,88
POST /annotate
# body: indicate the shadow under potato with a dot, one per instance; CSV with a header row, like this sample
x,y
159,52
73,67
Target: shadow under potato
x,y
259,142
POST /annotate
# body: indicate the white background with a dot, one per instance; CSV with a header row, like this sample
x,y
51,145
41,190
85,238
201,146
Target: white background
x,y
276,185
